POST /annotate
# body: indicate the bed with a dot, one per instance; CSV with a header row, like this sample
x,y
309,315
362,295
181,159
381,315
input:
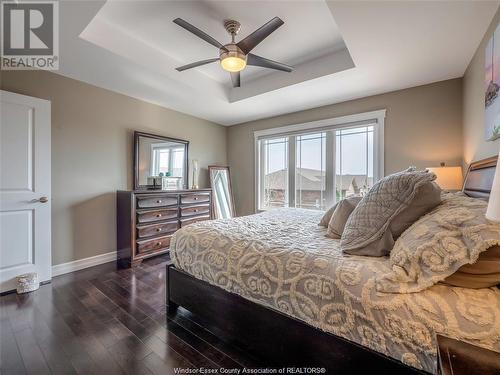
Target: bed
x,y
273,284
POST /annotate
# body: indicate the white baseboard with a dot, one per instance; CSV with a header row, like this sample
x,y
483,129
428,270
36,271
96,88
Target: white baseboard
x,y
80,264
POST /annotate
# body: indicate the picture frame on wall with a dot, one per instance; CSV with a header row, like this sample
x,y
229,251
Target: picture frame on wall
x,y
492,87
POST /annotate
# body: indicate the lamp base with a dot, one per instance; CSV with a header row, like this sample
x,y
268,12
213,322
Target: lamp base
x,y
493,220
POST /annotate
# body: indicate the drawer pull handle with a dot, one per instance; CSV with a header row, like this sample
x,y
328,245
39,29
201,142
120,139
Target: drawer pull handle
x,y
158,229
158,201
195,210
158,215
158,244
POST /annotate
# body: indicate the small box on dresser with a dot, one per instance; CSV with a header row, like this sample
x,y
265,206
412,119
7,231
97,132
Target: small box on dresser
x,y
147,219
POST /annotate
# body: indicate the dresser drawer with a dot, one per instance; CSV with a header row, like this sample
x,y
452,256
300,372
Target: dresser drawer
x,y
156,215
158,201
192,220
156,229
147,219
195,198
155,244
195,210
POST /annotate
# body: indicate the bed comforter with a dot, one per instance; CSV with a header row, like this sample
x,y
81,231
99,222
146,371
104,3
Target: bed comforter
x,y
282,259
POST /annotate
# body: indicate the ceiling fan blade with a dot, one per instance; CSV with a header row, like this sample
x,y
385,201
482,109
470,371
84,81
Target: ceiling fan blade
x,y
195,64
266,63
247,44
235,78
200,34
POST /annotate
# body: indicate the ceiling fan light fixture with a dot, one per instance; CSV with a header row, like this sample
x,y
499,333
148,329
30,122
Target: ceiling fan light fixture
x,y
232,59
233,64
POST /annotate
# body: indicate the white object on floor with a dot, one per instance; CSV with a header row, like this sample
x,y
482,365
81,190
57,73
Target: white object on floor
x,y
27,282
24,188
493,211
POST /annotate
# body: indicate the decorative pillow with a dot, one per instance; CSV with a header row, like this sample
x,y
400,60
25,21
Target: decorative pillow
x,y
328,215
388,209
482,274
339,218
325,220
436,246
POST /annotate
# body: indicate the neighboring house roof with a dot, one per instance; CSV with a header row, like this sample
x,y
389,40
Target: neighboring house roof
x,y
358,180
312,179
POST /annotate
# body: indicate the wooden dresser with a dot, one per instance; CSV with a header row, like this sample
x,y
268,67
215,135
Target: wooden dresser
x,y
146,220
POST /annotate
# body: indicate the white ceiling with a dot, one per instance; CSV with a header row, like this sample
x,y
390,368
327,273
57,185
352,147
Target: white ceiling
x,y
143,32
341,51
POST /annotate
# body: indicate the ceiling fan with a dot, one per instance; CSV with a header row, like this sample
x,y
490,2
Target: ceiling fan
x,y
234,57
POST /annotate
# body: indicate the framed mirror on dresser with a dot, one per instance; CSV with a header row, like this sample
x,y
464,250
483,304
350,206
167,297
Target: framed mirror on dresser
x,y
160,202
160,162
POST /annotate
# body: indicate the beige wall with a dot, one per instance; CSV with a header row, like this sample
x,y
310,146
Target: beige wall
x,y
475,146
423,127
92,131
92,137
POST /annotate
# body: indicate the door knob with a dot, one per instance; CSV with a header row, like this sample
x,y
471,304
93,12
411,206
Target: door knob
x,y
43,200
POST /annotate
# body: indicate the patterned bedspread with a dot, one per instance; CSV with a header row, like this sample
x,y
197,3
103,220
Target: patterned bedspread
x,y
281,259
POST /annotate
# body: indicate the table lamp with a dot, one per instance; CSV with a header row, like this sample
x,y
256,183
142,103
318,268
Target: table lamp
x,y
448,178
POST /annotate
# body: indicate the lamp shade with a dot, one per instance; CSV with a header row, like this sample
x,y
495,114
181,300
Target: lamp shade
x,y
448,178
493,210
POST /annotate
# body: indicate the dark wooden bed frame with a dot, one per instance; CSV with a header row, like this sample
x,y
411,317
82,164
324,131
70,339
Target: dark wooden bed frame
x,y
279,340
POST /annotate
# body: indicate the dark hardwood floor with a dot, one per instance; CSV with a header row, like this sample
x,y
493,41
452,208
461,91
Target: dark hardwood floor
x,y
105,320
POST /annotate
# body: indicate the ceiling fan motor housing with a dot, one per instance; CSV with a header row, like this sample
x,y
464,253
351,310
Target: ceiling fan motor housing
x,y
231,50
232,58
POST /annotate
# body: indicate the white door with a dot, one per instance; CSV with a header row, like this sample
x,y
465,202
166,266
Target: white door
x,y
24,188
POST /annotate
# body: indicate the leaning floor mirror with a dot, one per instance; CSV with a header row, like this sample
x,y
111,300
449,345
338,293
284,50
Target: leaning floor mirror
x,y
220,182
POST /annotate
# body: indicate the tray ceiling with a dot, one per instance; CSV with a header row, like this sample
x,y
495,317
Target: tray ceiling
x,y
341,51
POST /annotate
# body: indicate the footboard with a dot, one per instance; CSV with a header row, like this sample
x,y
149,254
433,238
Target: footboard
x,y
278,340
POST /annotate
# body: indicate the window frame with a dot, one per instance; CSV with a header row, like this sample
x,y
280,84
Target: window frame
x,y
262,161
374,118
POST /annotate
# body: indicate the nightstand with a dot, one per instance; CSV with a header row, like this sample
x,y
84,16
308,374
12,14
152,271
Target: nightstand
x,y
458,357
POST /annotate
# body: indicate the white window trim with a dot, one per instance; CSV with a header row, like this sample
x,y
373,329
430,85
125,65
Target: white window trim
x,y
337,122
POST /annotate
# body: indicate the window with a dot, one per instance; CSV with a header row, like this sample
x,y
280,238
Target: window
x,y
310,170
275,172
354,161
316,164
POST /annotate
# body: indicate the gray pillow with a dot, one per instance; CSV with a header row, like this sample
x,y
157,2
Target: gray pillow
x,y
387,210
325,220
343,210
328,215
